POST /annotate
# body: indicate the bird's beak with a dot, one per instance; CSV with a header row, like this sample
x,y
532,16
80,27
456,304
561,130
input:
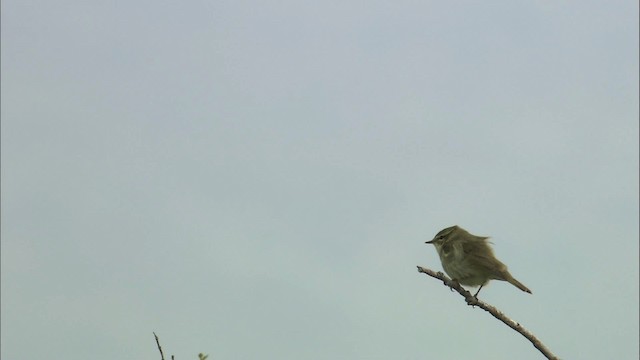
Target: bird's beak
x,y
429,242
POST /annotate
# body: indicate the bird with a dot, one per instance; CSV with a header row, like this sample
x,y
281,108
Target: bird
x,y
469,259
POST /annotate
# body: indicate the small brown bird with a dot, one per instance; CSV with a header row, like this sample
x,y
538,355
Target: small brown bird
x,y
469,259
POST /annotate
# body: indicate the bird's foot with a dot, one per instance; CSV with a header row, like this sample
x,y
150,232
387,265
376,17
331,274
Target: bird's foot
x,y
455,284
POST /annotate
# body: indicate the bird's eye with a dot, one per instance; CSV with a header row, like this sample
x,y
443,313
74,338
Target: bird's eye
x,y
441,237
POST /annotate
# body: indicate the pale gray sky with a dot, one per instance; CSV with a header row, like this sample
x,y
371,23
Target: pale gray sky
x,y
256,180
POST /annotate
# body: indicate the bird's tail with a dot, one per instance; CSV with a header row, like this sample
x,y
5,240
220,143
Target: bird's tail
x,y
518,284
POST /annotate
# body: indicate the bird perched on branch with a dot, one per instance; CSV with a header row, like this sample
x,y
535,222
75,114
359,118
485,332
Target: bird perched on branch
x,y
469,259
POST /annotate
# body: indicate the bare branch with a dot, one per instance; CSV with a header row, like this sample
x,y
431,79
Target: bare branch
x,y
159,347
473,301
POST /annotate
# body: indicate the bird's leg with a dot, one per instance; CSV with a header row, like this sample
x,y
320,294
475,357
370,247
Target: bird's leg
x,y
476,294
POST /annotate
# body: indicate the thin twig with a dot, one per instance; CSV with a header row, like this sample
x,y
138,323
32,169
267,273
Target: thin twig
x,y
473,301
159,347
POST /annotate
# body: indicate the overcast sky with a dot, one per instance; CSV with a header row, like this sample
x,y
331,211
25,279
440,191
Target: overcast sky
x,y
256,180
